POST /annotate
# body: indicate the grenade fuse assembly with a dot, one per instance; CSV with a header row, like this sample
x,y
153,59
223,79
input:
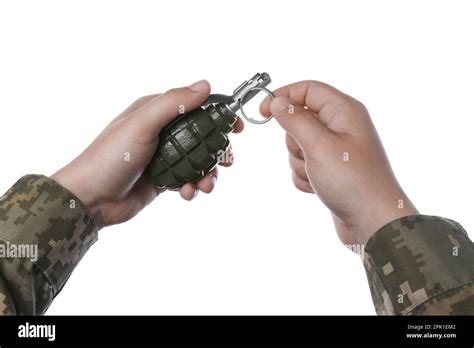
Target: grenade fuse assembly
x,y
190,146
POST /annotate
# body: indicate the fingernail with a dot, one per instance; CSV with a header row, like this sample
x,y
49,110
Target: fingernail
x,y
195,193
199,86
279,104
213,179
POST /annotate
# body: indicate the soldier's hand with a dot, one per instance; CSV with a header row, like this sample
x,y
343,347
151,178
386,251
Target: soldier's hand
x,y
107,176
336,153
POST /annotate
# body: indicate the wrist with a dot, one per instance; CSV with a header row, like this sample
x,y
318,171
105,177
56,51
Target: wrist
x,y
383,213
77,185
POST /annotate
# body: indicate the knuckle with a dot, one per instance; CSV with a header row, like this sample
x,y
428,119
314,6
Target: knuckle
x,y
301,172
359,105
297,185
174,92
292,147
312,83
296,182
300,185
140,100
355,104
298,168
294,151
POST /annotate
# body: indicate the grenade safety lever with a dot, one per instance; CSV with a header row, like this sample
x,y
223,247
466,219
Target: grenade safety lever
x,y
190,146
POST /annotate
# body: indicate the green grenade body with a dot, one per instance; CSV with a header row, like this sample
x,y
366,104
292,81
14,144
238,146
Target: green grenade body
x,y
190,146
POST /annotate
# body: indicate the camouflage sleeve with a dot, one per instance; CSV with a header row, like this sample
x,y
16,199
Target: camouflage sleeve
x,y
44,232
421,265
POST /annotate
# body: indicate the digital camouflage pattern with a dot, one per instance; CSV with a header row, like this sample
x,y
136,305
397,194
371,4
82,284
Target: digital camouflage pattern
x,y
421,265
415,265
38,211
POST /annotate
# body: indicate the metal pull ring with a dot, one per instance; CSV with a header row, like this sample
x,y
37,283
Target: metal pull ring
x,y
241,106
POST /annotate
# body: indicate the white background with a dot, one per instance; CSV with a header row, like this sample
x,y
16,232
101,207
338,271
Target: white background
x,y
255,245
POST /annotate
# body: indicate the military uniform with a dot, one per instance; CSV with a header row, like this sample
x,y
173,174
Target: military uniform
x,y
421,265
415,265
36,210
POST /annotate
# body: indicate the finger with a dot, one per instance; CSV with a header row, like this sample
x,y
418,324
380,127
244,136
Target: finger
x,y
207,183
293,147
159,190
239,125
298,167
317,96
161,110
300,123
265,107
227,159
302,185
143,191
188,191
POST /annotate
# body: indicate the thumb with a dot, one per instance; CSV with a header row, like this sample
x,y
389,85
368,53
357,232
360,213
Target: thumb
x,y
302,124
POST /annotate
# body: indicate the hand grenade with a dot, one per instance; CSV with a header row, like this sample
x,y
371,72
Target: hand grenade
x,y
190,146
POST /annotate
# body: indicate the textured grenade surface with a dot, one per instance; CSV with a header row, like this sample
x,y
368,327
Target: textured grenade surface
x,y
189,147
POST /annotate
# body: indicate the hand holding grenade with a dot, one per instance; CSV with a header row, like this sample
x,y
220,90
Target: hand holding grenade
x,y
190,146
